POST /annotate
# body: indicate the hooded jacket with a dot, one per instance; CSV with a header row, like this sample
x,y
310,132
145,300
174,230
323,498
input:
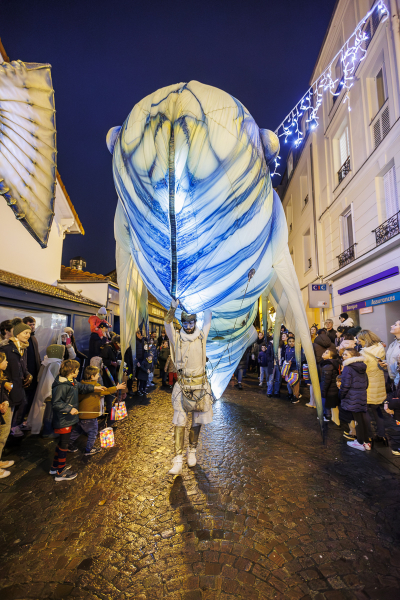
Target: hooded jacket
x,y
353,391
266,359
321,343
376,393
65,397
347,323
329,370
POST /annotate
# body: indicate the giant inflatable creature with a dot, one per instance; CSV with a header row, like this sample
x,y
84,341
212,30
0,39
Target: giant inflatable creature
x,y
198,219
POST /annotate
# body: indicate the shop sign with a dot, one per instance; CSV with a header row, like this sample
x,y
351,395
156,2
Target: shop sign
x,y
367,309
318,295
372,302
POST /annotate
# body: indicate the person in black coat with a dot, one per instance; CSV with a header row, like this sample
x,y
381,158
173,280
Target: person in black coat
x,y
96,342
330,332
266,362
140,341
353,394
17,373
162,338
392,420
329,369
110,353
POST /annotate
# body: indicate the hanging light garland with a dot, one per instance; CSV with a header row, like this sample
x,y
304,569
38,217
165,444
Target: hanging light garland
x,y
351,54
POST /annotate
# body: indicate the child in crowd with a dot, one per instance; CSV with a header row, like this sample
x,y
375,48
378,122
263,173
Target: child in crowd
x,y
5,415
353,395
65,402
266,362
293,390
89,410
152,351
329,370
142,374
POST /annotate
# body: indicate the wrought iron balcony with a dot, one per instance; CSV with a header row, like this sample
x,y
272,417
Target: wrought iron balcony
x,y
347,256
305,201
387,230
344,169
309,263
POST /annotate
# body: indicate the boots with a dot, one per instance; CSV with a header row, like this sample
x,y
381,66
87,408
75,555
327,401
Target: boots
x,y
176,468
193,439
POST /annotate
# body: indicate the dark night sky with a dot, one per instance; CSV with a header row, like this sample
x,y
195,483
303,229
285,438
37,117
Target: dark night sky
x,y
106,56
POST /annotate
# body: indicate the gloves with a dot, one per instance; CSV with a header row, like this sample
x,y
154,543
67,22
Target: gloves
x,y
169,317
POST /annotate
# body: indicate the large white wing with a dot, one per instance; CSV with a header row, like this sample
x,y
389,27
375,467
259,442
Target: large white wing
x,y
28,145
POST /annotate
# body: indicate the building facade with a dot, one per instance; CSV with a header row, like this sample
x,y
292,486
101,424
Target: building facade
x,y
340,189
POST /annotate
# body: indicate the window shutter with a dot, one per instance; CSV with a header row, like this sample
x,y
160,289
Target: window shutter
x,y
344,146
391,199
385,122
377,133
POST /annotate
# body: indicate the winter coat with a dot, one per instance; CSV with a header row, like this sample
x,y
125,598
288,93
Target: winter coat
x,y
163,357
331,335
394,402
15,373
266,359
376,393
321,343
353,391
347,323
95,344
392,355
92,402
109,353
154,354
140,349
329,370
142,371
290,357
65,397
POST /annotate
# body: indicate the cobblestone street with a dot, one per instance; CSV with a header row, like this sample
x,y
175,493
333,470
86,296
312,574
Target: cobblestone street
x,y
268,512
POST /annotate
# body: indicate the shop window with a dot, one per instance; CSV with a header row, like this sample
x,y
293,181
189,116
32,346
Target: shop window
x,y
48,325
391,196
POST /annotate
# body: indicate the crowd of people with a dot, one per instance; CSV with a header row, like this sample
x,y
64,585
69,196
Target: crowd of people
x,y
359,378
65,395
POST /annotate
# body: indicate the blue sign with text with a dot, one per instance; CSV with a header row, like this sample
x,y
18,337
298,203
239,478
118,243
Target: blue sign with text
x,y
319,287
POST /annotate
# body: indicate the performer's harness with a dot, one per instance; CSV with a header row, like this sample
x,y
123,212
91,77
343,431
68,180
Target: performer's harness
x,y
193,400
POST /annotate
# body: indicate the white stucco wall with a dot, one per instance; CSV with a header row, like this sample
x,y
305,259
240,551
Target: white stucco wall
x,y
24,256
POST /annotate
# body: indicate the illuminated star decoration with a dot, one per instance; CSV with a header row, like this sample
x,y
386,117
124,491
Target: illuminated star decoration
x,y
351,54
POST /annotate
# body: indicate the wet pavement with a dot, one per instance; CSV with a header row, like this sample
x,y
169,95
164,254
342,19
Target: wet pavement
x,y
268,512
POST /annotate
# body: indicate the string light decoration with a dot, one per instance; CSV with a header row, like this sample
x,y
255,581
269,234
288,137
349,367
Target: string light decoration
x,y
351,54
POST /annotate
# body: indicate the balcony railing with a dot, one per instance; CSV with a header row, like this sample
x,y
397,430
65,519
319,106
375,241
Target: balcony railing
x,y
387,230
347,256
305,201
309,263
344,169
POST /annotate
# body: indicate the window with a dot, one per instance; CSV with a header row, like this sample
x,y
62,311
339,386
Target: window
x,y
391,197
347,229
290,165
307,251
344,146
380,89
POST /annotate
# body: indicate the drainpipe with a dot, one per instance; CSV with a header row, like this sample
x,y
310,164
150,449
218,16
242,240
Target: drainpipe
x,y
315,221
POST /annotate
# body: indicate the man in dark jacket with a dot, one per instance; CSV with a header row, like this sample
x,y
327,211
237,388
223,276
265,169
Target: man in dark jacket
x,y
162,338
110,353
266,362
321,343
162,360
330,332
32,361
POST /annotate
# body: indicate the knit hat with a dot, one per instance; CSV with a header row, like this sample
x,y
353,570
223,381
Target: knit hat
x,y
19,328
55,351
102,311
69,330
344,316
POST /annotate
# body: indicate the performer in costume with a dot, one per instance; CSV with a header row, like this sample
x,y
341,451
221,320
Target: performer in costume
x,y
192,392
